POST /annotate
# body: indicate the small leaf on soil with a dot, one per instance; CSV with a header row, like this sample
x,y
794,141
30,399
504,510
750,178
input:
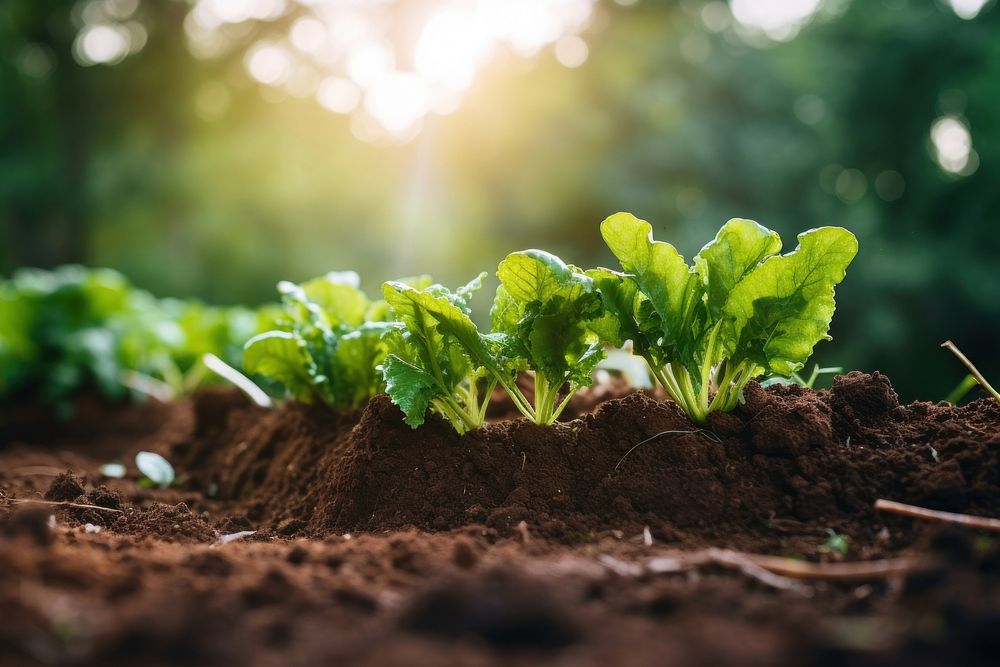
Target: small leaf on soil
x,y
156,468
112,470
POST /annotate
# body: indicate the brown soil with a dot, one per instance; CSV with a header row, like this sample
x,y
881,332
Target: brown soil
x,y
374,543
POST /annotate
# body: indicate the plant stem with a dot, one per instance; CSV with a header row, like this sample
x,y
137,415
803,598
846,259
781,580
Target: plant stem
x,y
520,402
972,369
562,405
963,388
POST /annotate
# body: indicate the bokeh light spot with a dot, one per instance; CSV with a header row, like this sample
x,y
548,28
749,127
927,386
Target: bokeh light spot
x,y
339,95
968,9
780,20
101,45
269,63
890,185
571,51
952,144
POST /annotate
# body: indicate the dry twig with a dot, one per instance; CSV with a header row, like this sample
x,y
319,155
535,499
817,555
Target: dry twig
x,y
951,347
62,503
983,523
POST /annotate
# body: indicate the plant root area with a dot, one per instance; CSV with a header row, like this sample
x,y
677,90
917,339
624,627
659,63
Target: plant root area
x,y
623,536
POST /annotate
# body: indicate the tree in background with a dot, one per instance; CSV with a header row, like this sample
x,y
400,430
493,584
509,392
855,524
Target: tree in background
x,y
195,169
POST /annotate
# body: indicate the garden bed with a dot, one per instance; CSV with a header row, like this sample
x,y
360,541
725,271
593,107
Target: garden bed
x,y
597,541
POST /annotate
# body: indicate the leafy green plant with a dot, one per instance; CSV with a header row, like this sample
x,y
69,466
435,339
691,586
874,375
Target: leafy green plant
x,y
73,328
58,331
433,356
545,316
740,311
164,343
326,344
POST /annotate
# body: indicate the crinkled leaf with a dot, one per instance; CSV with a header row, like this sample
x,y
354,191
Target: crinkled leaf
x,y
536,275
336,295
784,306
411,388
430,314
734,252
621,297
434,351
546,306
662,275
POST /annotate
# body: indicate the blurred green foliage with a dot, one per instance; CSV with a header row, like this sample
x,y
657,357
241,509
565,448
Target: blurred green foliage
x,y
74,328
179,172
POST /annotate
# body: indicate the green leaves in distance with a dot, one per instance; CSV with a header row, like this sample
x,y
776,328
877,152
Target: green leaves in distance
x,y
740,311
74,328
436,358
326,343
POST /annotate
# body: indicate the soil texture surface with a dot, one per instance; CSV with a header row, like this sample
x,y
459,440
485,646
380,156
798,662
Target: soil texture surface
x,y
624,535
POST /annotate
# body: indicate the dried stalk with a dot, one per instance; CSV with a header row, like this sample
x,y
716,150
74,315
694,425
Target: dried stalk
x,y
982,523
62,503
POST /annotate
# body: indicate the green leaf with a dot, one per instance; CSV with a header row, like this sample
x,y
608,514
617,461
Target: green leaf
x,y
784,306
279,355
661,274
536,275
435,353
431,312
409,387
621,297
736,251
742,310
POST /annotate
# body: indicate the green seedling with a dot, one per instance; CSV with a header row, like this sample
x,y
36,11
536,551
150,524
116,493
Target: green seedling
x,y
740,311
809,383
433,358
836,543
326,344
961,390
544,318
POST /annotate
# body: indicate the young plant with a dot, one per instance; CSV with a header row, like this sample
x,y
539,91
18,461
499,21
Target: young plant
x,y
58,332
797,379
74,328
544,317
327,344
740,311
165,342
428,364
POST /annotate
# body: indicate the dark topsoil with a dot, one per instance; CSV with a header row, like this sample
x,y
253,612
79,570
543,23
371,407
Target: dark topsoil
x,y
377,544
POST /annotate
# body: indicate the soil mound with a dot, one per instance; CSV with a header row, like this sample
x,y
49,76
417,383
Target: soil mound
x,y
789,462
